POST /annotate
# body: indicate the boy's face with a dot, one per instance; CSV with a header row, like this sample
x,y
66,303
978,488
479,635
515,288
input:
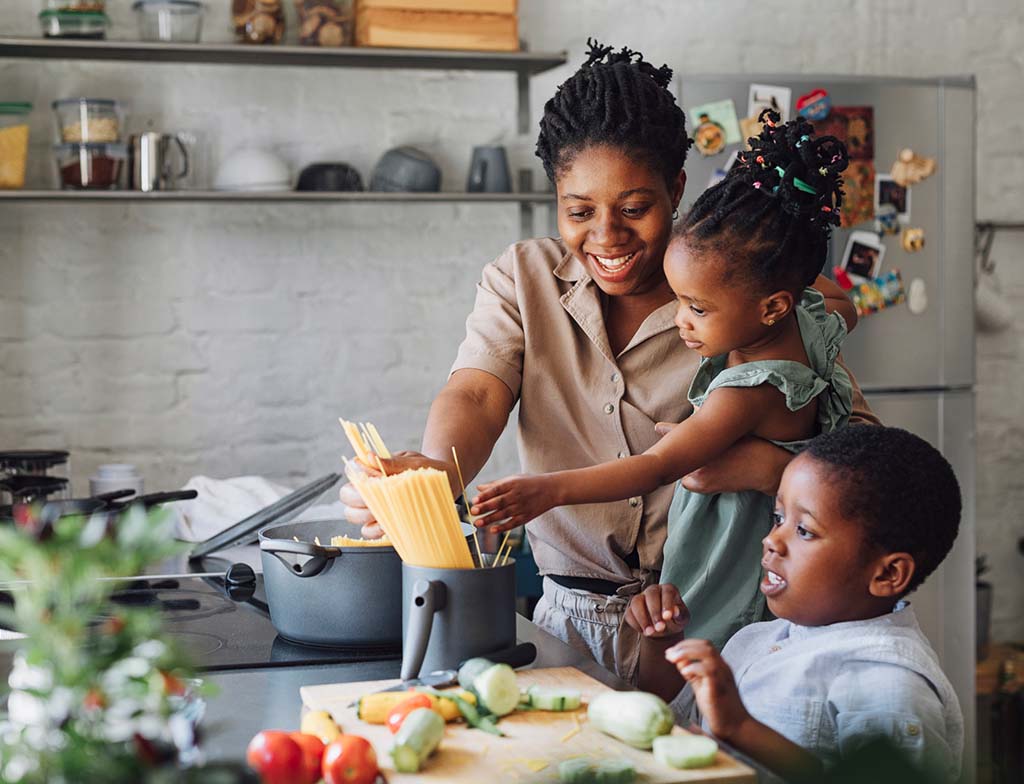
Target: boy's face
x,y
818,568
714,316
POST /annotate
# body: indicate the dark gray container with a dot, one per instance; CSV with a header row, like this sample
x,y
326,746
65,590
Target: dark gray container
x,y
330,596
450,615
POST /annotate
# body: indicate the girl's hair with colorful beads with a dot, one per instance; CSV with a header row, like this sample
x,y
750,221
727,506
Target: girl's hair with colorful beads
x,y
772,215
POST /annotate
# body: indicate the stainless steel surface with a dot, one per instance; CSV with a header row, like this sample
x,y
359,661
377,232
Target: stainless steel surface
x,y
150,163
235,54
443,197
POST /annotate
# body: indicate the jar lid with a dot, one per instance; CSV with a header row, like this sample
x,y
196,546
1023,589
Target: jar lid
x,y
95,17
110,149
195,4
17,458
15,107
104,102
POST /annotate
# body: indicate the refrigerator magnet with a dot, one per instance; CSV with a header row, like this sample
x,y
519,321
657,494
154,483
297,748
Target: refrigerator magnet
x,y
912,240
750,127
815,105
717,126
878,294
768,96
917,297
910,168
863,256
888,191
886,220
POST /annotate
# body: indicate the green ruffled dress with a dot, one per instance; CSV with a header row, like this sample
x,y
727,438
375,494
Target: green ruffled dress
x,y
713,550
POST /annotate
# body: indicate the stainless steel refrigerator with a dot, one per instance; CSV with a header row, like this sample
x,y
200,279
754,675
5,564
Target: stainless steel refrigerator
x,y
916,369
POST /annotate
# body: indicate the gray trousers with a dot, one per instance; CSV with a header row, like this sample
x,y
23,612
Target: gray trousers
x,y
594,624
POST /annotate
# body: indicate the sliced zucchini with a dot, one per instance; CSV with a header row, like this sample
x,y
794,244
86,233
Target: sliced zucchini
x,y
497,689
541,698
416,739
685,751
471,669
585,771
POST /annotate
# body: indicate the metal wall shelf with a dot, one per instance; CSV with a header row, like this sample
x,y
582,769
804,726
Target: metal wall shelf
x,y
275,197
523,63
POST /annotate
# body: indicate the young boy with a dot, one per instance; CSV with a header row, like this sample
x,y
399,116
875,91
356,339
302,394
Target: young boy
x,y
862,517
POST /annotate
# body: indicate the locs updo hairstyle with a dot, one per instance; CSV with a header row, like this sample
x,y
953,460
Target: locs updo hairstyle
x,y
620,100
772,215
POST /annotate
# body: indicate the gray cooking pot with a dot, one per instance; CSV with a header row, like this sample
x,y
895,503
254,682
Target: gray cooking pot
x,y
331,596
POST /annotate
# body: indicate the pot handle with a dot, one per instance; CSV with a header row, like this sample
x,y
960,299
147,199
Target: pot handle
x,y
428,596
318,555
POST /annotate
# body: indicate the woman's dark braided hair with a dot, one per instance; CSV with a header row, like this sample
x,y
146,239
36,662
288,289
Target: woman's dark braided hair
x,y
617,99
773,213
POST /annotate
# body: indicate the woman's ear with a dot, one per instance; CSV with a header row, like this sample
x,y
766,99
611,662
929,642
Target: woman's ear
x,y
677,189
776,307
892,575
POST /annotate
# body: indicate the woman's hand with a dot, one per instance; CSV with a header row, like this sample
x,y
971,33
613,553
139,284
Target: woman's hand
x,y
658,611
713,686
517,500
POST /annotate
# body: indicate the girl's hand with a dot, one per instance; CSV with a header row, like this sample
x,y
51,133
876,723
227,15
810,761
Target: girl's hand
x,y
713,686
658,611
517,500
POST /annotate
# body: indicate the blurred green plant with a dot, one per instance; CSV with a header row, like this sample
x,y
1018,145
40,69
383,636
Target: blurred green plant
x,y
97,690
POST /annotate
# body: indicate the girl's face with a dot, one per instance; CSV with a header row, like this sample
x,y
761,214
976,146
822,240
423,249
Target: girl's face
x,y
818,569
615,215
715,316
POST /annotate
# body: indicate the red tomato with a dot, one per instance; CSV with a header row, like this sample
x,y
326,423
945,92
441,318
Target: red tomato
x,y
312,756
404,708
276,757
350,760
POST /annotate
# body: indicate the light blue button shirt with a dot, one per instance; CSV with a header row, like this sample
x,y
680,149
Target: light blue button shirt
x,y
831,689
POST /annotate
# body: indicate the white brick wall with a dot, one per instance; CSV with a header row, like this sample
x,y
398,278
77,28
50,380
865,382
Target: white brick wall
x,y
227,339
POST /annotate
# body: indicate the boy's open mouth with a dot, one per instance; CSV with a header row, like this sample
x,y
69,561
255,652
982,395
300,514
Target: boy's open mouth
x,y
773,583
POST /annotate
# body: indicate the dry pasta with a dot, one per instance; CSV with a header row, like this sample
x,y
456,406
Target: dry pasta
x,y
349,541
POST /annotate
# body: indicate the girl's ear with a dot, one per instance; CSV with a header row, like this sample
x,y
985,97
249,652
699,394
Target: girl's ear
x,y
892,575
677,188
776,307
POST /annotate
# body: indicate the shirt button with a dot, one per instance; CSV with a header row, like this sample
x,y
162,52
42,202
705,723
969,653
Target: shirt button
x,y
609,408
598,608
634,502
615,377
622,453
913,729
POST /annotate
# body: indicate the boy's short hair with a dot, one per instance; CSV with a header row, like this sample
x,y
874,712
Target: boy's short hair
x,y
898,486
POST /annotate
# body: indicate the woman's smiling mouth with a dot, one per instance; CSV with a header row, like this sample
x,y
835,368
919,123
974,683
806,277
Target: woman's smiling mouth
x,y
613,268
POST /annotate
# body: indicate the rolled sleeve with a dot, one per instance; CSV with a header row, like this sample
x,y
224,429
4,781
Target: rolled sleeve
x,y
495,339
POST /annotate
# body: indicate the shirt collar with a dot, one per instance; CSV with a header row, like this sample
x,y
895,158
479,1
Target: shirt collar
x,y
902,615
570,269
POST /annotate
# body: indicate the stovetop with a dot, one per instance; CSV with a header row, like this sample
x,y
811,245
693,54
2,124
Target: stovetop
x,y
222,633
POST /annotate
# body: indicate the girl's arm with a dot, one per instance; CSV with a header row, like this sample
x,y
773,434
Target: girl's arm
x,y
727,415
836,301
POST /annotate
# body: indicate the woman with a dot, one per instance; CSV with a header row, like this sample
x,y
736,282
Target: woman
x,y
579,331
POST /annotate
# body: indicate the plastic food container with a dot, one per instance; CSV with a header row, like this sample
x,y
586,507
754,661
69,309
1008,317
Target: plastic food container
x,y
13,143
95,6
169,20
88,120
89,166
73,24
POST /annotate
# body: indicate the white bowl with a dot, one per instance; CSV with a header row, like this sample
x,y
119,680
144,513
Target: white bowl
x,y
251,169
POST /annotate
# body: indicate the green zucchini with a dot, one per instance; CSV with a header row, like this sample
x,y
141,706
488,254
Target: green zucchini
x,y
634,717
497,689
416,739
470,669
685,751
584,771
541,698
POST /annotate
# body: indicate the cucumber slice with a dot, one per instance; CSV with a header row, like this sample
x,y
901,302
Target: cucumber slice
x,y
541,698
469,671
497,689
685,751
416,739
620,771
576,771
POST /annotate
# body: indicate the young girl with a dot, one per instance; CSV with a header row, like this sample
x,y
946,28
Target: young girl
x,y
739,265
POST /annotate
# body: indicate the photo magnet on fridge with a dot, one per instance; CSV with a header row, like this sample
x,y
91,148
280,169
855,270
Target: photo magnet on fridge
x,y
890,192
863,256
716,126
859,188
854,126
768,96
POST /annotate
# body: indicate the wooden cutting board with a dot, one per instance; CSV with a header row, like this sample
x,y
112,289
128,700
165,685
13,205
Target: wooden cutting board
x,y
535,743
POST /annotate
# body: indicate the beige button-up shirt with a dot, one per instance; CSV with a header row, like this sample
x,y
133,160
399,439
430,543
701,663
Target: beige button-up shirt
x,y
538,326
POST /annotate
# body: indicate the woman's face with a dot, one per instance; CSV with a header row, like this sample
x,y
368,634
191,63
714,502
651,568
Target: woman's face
x,y
615,215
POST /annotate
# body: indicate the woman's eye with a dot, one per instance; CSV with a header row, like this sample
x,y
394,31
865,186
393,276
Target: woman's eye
x,y
777,519
697,311
803,533
578,215
634,212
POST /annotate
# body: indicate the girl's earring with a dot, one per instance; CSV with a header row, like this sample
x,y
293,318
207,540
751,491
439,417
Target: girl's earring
x,y
675,215
771,322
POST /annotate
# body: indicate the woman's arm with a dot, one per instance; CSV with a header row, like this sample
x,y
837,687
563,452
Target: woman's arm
x,y
727,415
836,301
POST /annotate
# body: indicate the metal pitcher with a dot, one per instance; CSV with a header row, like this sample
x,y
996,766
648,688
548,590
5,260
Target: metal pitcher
x,y
450,615
150,165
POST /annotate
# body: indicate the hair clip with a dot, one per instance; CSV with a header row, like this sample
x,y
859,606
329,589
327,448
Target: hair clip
x,y
799,184
757,185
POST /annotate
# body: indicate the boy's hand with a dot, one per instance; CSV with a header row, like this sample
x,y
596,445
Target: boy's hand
x,y
517,500
658,611
713,685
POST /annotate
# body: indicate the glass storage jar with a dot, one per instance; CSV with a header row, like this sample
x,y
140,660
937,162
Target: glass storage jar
x,y
90,166
13,143
169,20
89,120
258,21
325,22
73,24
